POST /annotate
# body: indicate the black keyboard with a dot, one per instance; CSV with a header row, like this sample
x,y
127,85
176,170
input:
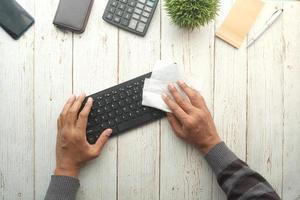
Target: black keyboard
x,y
119,108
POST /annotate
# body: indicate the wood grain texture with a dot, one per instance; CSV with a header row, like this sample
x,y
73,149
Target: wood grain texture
x,y
291,69
16,113
184,172
265,100
52,87
230,94
138,150
253,95
95,67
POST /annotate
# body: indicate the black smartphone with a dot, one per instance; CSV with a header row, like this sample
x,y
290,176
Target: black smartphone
x,y
13,18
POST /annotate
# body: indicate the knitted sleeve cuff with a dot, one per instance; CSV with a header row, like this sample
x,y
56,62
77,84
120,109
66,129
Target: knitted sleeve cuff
x,y
62,188
219,157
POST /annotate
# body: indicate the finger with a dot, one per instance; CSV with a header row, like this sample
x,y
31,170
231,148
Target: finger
x,y
58,123
98,146
178,112
195,98
68,105
184,104
175,124
73,111
83,115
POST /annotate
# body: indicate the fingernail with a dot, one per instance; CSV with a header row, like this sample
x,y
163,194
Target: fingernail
x,y
171,86
164,95
82,94
90,100
180,82
71,97
108,132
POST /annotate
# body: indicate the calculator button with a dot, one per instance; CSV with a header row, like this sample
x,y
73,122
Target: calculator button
x,y
142,1
129,9
132,3
122,6
148,9
141,27
136,16
138,11
114,4
111,9
139,5
119,12
146,14
144,19
150,3
126,15
109,16
133,24
117,19
124,22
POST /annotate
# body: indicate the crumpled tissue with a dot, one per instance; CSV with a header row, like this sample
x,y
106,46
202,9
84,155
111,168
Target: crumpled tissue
x,y
163,73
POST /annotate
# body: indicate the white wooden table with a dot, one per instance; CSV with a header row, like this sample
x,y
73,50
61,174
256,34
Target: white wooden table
x,y
254,95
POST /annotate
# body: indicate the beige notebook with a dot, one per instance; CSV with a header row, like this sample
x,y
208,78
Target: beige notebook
x,y
239,21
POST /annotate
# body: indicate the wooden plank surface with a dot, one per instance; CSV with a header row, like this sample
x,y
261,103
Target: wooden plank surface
x,y
184,172
52,87
138,150
265,100
291,78
95,67
253,94
230,93
16,114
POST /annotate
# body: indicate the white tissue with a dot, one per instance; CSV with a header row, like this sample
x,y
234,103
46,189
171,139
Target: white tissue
x,y
163,73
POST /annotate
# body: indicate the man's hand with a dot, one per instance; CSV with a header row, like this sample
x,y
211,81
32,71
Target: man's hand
x,y
191,120
72,148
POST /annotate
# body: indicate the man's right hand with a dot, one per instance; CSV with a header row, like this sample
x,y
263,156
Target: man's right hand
x,y
191,119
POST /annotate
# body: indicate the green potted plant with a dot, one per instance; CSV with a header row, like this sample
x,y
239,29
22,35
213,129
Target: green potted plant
x,y
191,13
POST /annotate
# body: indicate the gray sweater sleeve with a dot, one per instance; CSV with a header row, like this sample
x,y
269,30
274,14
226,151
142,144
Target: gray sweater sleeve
x,y
62,188
235,177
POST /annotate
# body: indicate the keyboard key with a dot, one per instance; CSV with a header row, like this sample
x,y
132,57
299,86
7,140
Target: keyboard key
x,y
147,8
139,5
91,139
111,9
129,9
146,14
150,3
127,16
104,117
123,1
125,23
144,19
132,23
138,11
122,6
141,27
132,3
110,123
119,13
136,16
114,3
142,1
109,16
117,19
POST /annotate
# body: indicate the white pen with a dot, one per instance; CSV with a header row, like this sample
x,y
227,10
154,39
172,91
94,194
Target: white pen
x,y
270,21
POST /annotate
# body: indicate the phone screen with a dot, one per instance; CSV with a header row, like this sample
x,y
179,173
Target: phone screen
x,y
13,18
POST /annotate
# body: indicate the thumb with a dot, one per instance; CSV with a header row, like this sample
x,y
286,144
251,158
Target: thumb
x,y
102,140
